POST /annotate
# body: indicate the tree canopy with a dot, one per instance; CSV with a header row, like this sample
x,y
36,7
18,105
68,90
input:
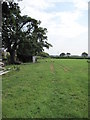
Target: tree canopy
x,y
84,54
68,54
62,54
21,33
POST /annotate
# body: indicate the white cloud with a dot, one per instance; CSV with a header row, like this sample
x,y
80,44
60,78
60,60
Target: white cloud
x,y
75,45
36,4
63,25
67,25
81,4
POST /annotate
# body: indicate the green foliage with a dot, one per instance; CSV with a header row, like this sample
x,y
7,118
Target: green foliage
x,y
16,68
6,57
34,43
3,56
43,54
11,23
21,32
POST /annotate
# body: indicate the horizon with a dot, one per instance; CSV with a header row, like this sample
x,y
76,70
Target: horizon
x,y
65,54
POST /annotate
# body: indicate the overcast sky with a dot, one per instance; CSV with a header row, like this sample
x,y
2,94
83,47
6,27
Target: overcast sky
x,y
65,20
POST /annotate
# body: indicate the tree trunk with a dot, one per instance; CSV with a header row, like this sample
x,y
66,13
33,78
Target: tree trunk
x,y
12,57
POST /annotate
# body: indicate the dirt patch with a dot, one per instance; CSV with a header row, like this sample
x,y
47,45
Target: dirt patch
x,y
52,68
66,69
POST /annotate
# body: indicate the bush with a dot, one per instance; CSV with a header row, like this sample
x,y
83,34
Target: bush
x,y
8,57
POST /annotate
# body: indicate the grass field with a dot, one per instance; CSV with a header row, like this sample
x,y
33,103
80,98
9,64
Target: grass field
x,y
51,88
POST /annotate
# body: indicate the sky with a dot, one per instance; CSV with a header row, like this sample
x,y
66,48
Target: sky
x,y
65,20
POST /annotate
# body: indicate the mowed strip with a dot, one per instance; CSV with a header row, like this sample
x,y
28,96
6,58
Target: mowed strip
x,y
66,69
52,67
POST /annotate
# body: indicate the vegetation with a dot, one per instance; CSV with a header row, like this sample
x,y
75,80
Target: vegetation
x,y
62,54
51,88
84,54
68,54
43,54
21,33
69,57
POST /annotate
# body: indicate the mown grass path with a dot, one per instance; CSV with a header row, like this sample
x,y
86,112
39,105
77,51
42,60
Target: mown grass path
x,y
51,88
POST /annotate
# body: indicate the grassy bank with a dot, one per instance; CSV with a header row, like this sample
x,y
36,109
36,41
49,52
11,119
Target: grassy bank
x,y
51,88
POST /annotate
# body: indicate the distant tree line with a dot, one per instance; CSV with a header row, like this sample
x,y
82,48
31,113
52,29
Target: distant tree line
x,y
68,55
84,54
63,54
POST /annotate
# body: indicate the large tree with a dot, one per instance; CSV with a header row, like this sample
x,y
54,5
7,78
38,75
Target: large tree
x,y
11,27
21,32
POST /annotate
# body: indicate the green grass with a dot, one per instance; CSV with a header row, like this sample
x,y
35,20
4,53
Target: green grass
x,y
51,88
